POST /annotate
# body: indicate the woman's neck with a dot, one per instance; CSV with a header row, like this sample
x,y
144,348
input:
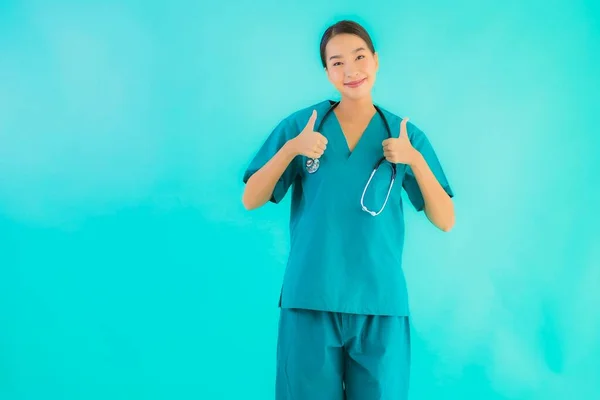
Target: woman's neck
x,y
356,108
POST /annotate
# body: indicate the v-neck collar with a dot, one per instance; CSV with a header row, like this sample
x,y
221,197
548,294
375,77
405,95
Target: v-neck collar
x,y
344,139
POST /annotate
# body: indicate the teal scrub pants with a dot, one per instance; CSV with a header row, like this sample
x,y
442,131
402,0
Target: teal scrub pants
x,y
335,356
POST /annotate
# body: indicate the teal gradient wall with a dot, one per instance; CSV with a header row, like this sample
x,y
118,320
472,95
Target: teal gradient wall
x,y
130,270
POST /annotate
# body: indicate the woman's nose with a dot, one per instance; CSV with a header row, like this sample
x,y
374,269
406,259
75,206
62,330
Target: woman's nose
x,y
350,70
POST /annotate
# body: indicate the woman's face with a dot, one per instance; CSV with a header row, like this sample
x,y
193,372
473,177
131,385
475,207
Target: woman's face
x,y
351,67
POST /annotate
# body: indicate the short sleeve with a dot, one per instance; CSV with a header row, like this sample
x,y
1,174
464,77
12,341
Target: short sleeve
x,y
421,143
283,132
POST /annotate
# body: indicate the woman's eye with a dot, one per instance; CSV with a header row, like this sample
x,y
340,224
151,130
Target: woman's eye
x,y
361,56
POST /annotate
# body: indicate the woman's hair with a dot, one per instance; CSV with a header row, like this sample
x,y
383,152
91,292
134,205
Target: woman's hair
x,y
344,26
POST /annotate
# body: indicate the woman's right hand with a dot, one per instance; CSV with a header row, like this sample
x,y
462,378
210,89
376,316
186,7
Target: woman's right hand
x,y
308,142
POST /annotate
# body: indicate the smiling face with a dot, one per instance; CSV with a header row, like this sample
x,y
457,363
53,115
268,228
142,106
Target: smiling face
x,y
351,67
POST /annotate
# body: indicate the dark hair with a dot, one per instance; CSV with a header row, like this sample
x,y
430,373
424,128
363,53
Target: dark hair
x,y
344,26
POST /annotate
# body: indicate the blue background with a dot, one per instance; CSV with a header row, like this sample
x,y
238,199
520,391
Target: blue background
x,y
130,270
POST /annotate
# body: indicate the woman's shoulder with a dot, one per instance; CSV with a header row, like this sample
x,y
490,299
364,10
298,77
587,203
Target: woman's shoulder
x,y
300,117
391,116
394,121
295,121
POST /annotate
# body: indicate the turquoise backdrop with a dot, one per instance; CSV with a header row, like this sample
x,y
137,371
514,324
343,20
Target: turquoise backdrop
x,y
130,270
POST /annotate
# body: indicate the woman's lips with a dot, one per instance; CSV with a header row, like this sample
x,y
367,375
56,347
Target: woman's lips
x,y
355,84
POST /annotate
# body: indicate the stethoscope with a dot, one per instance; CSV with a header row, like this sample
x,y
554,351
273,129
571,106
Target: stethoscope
x,y
312,164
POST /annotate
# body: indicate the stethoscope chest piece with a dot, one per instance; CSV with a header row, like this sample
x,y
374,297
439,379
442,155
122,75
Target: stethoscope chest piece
x,y
312,165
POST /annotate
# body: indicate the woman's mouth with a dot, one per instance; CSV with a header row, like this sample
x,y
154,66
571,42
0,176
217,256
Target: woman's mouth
x,y
355,84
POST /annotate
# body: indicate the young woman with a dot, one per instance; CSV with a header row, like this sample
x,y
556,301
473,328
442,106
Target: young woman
x,y
344,322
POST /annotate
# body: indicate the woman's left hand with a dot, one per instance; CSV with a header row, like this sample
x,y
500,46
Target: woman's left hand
x,y
399,150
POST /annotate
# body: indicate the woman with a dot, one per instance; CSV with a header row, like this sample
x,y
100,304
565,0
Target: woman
x,y
344,322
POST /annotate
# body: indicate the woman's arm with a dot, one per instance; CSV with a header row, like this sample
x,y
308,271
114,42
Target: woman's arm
x,y
261,184
439,207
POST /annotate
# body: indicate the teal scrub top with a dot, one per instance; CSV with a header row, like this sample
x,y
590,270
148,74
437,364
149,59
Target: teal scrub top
x,y
342,259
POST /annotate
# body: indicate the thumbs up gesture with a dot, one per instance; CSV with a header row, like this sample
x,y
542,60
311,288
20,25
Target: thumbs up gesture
x,y
308,142
399,150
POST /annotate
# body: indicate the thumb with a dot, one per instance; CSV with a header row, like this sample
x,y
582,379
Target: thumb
x,y
311,121
403,131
